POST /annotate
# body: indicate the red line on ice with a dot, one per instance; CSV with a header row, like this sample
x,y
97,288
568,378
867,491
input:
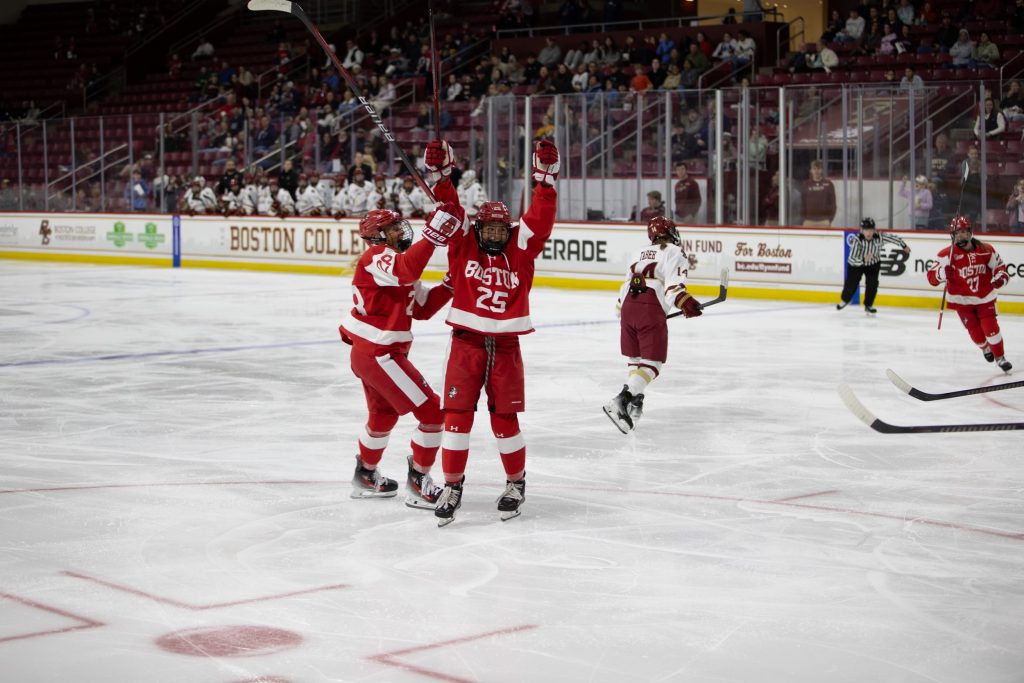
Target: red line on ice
x,y
85,622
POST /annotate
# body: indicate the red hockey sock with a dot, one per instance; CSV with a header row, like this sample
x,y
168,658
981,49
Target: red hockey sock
x,y
427,437
375,438
455,444
510,444
993,337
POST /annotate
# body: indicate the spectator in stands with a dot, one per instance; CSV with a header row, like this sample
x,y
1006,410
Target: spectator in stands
x,y
640,82
359,163
928,16
745,49
947,33
800,61
1013,103
231,172
562,79
656,75
137,192
1015,207
834,28
905,12
993,121
887,44
695,135
920,197
703,45
550,54
687,196
730,17
697,59
665,47
962,50
906,42
655,207
826,60
353,55
971,202
819,198
768,206
673,79
385,95
453,93
594,54
942,156
911,81
204,50
646,51
611,54
288,178
757,149
689,75
986,53
853,30
726,48
574,57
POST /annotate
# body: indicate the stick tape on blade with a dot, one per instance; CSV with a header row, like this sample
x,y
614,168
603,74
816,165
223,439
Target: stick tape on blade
x,y
276,5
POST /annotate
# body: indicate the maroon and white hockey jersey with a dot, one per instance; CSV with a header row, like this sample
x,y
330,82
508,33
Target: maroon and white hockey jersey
x,y
973,272
388,295
664,267
492,293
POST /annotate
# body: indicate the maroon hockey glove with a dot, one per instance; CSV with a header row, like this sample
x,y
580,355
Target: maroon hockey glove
x,y
439,158
443,223
691,307
545,163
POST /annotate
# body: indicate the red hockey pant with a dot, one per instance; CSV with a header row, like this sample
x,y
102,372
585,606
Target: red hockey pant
x,y
982,325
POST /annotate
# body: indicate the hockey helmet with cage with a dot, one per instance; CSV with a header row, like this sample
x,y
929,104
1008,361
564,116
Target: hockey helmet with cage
x,y
960,223
867,224
374,229
660,227
493,212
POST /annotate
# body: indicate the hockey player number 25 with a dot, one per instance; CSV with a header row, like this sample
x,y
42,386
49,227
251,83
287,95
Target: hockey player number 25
x,y
497,299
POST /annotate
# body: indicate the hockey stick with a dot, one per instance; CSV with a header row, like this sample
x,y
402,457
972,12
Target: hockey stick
x,y
905,387
296,10
959,203
435,72
723,292
868,418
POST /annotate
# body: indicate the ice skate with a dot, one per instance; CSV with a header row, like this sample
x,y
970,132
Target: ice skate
x,y
1004,364
841,305
870,310
420,490
989,356
368,483
510,502
448,502
617,411
635,409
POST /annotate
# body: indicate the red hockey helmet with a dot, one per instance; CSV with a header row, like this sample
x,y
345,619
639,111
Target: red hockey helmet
x,y
958,224
660,227
493,214
374,228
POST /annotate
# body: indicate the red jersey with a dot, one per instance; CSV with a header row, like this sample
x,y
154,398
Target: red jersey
x,y
492,293
971,282
388,295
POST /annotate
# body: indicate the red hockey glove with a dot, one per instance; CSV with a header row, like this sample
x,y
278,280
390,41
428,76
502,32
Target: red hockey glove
x,y
545,163
691,307
439,159
443,223
1000,279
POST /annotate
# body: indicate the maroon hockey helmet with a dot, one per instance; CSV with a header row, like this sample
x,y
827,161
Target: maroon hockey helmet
x,y
374,229
491,213
660,227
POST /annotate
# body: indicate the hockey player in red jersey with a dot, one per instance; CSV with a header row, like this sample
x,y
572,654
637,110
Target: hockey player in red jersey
x,y
973,271
388,295
491,264
655,286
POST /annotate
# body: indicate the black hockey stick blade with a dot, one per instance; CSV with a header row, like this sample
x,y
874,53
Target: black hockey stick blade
x,y
295,9
723,292
868,418
906,388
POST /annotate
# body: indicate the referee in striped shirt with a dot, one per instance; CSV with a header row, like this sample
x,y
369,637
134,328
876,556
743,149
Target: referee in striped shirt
x,y
866,259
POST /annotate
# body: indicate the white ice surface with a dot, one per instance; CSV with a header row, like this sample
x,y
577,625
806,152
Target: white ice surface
x,y
175,441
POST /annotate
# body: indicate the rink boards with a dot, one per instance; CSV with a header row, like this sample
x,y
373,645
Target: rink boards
x,y
769,263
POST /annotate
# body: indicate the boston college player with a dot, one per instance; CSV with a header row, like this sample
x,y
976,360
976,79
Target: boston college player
x,y
387,295
656,285
491,267
973,271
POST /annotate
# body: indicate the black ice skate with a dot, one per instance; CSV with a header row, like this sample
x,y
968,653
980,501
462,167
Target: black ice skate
x,y
841,305
870,310
421,491
635,409
371,483
510,502
1004,364
617,410
448,502
989,356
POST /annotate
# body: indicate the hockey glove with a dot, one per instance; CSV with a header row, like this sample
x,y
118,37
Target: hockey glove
x,y
1000,279
439,159
545,163
443,223
690,307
